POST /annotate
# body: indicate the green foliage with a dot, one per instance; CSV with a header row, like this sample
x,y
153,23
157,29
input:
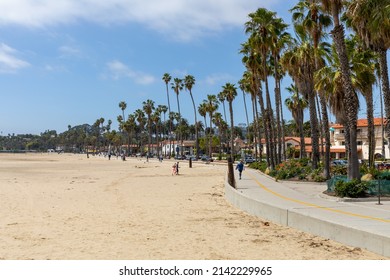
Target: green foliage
x,y
339,170
354,188
262,165
317,176
292,168
384,175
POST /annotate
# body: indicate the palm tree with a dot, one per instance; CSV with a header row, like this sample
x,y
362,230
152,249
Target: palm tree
x,y
280,39
148,107
363,68
129,127
189,82
211,107
329,80
140,117
155,119
334,8
123,106
221,99
252,61
245,88
308,13
202,109
177,86
230,93
370,20
261,26
299,62
218,121
167,78
296,105
163,109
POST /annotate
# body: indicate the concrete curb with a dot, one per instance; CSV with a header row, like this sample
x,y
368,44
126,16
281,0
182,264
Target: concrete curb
x,y
299,219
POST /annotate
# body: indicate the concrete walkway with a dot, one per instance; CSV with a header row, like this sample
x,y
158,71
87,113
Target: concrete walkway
x,y
359,223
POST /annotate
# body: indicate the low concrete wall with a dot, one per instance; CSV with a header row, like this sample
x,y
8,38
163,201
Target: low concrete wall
x,y
292,218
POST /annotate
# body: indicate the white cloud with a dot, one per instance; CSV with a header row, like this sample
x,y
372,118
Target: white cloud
x,y
218,78
54,68
9,63
120,70
181,19
69,51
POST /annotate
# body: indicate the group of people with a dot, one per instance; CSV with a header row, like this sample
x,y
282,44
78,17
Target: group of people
x,y
240,167
175,168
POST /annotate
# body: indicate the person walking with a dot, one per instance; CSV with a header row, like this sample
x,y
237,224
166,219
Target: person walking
x,y
174,169
240,167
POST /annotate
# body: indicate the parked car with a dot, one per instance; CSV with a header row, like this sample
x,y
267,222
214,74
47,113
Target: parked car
x,y
180,157
249,159
206,158
192,157
339,162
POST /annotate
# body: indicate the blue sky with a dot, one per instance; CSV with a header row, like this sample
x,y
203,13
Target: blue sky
x,y
70,62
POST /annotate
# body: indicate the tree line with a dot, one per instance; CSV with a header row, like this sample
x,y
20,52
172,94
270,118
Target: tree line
x,y
329,70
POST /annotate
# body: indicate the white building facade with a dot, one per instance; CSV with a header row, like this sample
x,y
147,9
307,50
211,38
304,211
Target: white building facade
x,y
337,139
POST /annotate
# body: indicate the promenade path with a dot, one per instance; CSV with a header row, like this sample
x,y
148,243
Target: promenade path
x,y
361,222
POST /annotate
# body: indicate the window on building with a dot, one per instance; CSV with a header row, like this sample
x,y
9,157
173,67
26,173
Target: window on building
x,y
360,143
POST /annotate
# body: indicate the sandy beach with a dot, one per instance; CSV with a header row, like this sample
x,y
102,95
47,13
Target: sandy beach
x,y
69,207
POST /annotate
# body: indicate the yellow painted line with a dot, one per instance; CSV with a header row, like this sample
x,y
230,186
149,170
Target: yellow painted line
x,y
315,205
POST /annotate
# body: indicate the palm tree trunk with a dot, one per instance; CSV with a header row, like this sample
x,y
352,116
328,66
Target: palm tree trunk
x,y
246,114
371,128
282,123
170,123
224,111
265,126
382,124
302,151
278,127
385,90
232,131
279,120
325,121
313,127
320,126
350,100
196,128
210,136
270,124
254,113
150,135
206,134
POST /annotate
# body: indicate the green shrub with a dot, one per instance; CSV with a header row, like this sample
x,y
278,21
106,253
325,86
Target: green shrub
x,y
354,188
319,178
273,173
262,166
304,161
384,175
339,170
302,176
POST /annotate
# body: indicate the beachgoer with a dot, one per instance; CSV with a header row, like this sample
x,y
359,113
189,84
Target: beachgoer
x,y
177,168
174,168
240,167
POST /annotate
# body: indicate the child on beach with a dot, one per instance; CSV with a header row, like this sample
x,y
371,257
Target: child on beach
x,y
174,169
